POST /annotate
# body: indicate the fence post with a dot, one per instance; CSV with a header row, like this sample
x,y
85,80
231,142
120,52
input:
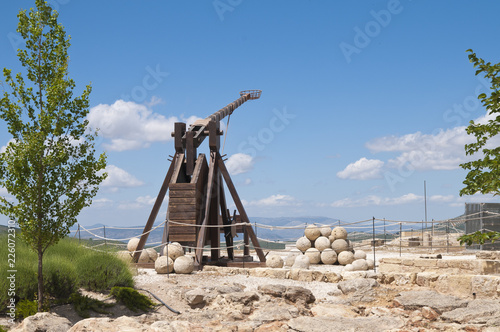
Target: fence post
x,y
105,243
447,237
385,238
400,237
374,260
79,233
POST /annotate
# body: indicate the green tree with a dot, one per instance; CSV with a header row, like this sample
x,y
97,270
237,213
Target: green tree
x,y
49,166
484,173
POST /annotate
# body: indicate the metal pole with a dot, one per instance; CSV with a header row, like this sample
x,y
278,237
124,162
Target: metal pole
x,y
105,243
400,238
374,260
481,222
79,234
447,238
385,238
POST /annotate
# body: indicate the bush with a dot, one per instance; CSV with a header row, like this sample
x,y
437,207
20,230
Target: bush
x,y
83,304
66,267
26,308
132,299
100,271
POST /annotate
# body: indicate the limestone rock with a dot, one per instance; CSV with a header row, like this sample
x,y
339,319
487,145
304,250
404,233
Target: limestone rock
x,y
301,262
44,321
164,264
345,257
340,245
356,285
314,255
348,268
297,293
303,244
340,233
242,297
173,250
312,232
480,308
325,231
412,300
132,244
273,290
322,243
274,261
196,296
359,254
183,265
328,256
339,323
290,259
360,265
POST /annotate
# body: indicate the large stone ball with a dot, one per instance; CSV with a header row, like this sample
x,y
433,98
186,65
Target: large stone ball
x,y
325,231
349,245
340,232
125,256
328,256
322,243
173,251
332,238
144,257
303,244
164,264
314,255
370,264
340,245
312,232
301,262
290,259
345,257
360,265
132,244
359,254
153,255
274,261
183,265
349,268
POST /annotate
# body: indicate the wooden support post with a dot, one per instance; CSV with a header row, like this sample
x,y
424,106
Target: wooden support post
x,y
240,207
225,220
156,209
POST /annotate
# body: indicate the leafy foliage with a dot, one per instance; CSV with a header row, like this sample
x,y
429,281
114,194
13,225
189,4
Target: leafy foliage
x,y
26,308
132,299
49,166
479,238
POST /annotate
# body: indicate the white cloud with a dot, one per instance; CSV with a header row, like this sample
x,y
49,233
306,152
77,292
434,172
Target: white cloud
x,y
373,200
239,163
363,169
139,203
119,178
131,126
3,192
274,200
4,148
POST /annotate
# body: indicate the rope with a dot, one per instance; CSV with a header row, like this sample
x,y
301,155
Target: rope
x,y
125,239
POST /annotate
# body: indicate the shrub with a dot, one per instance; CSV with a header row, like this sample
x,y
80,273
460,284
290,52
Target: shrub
x,y
132,299
83,304
59,277
100,271
26,308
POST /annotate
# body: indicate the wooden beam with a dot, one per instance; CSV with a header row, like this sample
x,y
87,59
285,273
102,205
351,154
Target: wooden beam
x,y
156,208
239,206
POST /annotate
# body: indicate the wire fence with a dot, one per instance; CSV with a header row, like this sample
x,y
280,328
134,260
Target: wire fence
x,y
367,234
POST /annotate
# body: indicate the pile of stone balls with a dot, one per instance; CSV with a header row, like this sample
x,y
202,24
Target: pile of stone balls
x,y
321,244
172,260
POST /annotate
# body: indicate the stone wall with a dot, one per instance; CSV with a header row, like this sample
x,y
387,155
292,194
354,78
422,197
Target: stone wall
x,y
444,266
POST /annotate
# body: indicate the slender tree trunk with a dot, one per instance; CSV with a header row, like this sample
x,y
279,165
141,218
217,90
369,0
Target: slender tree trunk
x,y
40,280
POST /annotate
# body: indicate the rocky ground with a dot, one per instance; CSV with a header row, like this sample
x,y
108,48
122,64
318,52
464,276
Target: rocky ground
x,y
214,301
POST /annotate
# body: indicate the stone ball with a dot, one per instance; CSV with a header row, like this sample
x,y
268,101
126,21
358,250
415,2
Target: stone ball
x,y
360,265
312,232
303,244
340,245
322,243
173,251
153,255
290,259
370,263
274,261
132,244
349,245
125,256
144,257
314,255
164,264
328,256
349,268
345,257
301,262
183,265
340,233
359,254
332,238
325,231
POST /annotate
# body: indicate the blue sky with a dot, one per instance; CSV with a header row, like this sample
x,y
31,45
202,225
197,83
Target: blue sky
x,y
362,101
